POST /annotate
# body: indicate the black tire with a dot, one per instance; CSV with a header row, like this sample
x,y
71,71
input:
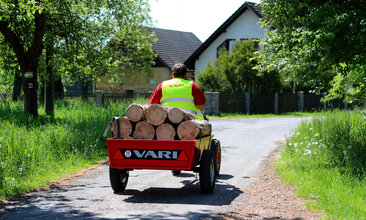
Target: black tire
x,y
216,147
118,179
176,172
207,172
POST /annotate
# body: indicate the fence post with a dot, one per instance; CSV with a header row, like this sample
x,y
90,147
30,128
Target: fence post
x,y
324,103
247,102
276,103
215,103
300,101
208,107
99,98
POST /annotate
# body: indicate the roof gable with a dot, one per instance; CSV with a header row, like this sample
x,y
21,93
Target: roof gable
x,y
174,46
247,5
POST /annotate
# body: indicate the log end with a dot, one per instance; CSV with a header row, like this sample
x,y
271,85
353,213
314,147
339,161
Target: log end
x,y
156,114
188,130
144,130
134,112
165,132
175,115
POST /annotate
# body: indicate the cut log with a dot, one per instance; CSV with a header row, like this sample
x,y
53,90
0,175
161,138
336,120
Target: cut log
x,y
193,129
129,138
157,114
125,127
176,115
136,112
144,130
165,132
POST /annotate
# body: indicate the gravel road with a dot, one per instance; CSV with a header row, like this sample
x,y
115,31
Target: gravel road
x,y
158,194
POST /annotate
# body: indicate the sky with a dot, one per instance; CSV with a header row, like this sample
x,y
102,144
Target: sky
x,y
201,17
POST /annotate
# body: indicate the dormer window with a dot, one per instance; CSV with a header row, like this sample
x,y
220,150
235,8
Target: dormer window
x,y
227,45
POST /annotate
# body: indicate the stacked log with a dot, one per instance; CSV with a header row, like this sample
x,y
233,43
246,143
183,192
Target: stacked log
x,y
136,112
161,123
125,127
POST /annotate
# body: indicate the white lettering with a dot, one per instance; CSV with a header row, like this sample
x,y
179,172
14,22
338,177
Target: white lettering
x,y
165,154
138,154
151,154
175,155
157,154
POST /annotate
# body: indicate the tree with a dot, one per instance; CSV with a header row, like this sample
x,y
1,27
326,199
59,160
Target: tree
x,y
79,29
234,72
320,44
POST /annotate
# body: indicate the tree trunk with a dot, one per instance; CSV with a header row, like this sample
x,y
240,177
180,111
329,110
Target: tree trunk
x,y
30,86
157,114
59,88
84,91
193,129
136,112
125,127
165,132
17,86
49,82
144,130
176,115
28,60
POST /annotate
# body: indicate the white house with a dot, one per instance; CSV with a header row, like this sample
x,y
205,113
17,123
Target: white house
x,y
243,24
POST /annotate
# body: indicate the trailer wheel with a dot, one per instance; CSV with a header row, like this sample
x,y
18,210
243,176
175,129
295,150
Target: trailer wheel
x,y
207,172
176,172
118,179
217,155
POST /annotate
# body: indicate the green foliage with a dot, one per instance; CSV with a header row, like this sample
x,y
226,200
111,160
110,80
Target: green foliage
x,y
78,33
326,161
312,42
35,151
233,72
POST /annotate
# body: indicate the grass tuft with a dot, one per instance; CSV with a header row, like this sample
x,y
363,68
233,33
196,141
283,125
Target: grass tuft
x,y
326,161
33,152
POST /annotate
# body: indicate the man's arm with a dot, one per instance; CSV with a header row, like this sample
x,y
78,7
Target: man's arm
x,y
156,96
201,106
199,96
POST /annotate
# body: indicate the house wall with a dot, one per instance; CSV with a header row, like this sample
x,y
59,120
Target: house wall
x,y
246,26
137,82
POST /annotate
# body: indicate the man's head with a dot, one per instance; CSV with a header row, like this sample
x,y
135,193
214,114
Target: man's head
x,y
179,70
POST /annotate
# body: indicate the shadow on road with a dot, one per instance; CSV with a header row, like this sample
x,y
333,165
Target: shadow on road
x,y
27,207
190,193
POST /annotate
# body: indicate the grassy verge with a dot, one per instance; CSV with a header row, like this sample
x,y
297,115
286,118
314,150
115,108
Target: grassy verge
x,y
286,114
326,161
35,151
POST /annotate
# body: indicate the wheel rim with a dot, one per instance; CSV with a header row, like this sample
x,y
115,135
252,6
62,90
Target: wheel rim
x,y
123,177
212,172
218,157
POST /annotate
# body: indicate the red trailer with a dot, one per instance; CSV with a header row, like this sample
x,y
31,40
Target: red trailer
x,y
201,155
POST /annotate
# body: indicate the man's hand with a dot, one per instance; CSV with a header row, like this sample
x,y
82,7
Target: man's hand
x,y
201,106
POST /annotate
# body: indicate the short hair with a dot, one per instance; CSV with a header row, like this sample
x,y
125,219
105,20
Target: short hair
x,y
179,70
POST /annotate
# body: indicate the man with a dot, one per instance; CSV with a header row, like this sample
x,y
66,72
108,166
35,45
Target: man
x,y
180,93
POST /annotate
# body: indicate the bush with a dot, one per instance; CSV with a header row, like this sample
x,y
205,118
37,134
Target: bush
x,y
233,73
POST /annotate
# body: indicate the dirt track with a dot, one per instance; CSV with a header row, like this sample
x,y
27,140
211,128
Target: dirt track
x,y
246,144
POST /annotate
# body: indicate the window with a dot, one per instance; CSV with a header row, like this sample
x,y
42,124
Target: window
x,y
227,45
255,41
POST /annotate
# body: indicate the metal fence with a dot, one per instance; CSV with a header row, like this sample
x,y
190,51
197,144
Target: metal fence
x,y
262,104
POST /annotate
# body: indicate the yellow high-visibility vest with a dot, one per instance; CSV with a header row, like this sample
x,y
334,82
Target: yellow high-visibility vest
x,y
178,93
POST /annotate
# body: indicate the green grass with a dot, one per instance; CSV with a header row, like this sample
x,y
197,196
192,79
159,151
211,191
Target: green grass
x,y
326,162
33,152
286,114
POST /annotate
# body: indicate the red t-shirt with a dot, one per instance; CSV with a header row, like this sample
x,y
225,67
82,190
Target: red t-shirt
x,y
199,97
